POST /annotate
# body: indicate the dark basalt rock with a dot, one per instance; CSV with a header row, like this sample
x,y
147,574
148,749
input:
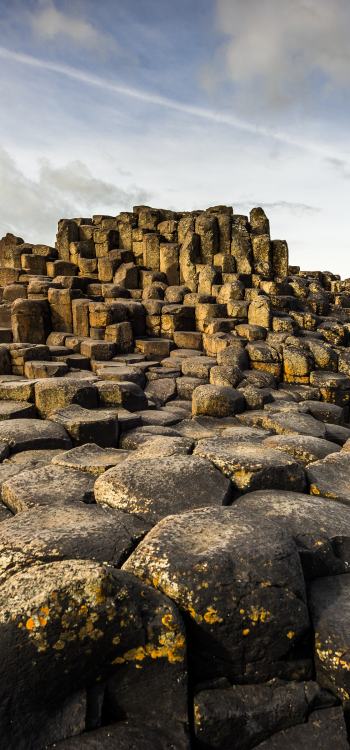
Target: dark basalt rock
x,y
324,730
157,367
329,607
153,488
239,584
319,527
80,622
241,716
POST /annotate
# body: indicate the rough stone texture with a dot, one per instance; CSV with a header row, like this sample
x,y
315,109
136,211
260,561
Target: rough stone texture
x,y
251,467
171,363
234,620
27,434
330,603
88,620
320,528
248,714
72,531
155,488
330,477
48,485
324,730
216,401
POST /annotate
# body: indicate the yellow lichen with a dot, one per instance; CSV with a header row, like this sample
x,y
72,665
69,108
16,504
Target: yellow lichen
x,y
170,646
259,615
211,616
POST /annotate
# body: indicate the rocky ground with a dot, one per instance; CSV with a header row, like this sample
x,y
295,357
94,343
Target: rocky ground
x,y
175,489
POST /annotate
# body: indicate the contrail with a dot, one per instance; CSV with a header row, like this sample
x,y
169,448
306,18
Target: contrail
x,y
171,104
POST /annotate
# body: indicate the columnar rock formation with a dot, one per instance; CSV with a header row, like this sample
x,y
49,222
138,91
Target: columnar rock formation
x,y
175,488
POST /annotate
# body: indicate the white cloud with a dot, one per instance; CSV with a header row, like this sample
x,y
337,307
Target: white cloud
x,y
48,23
276,134
284,49
30,208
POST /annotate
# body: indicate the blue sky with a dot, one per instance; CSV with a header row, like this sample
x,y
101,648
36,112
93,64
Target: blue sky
x,y
180,104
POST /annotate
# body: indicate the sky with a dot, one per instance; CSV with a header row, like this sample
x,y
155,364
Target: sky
x,y
181,104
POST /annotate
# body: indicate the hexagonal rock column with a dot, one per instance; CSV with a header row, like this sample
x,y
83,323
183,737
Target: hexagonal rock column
x,y
80,622
217,401
156,487
240,585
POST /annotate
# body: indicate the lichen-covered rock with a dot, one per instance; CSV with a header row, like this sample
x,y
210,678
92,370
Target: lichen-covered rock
x,y
330,477
304,448
238,582
48,485
216,401
153,488
56,393
320,528
330,613
67,532
80,622
252,467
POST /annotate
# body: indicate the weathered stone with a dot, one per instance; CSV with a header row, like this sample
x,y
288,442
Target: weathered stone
x,y
303,448
30,321
91,458
26,434
329,609
127,736
254,712
330,477
153,446
84,425
320,528
16,410
45,486
154,488
73,531
80,621
324,730
51,395
294,424
216,401
250,467
242,625
125,394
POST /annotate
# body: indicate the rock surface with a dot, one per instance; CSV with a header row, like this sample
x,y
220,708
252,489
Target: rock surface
x,y
174,488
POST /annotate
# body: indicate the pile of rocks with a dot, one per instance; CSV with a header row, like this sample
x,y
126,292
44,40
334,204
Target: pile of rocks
x,y
175,483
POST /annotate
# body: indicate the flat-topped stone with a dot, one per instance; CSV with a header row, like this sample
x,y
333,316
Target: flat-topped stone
x,y
29,434
91,458
48,485
252,467
151,489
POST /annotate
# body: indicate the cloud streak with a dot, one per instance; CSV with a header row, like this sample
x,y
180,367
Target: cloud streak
x,y
292,206
203,113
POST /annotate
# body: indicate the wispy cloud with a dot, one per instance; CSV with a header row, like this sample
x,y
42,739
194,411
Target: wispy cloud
x,y
210,115
291,206
284,51
31,207
48,22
